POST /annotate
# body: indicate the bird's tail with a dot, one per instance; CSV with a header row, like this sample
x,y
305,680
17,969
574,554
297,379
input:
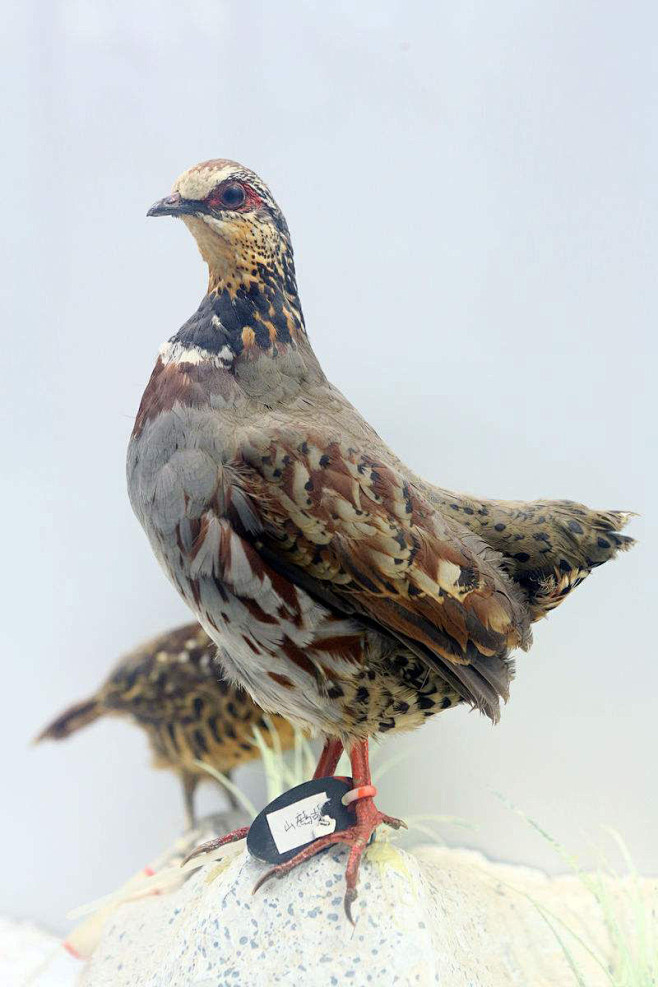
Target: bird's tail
x,y
72,719
580,540
547,546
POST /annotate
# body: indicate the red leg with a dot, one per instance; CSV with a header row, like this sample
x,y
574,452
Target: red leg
x,y
329,758
237,834
368,818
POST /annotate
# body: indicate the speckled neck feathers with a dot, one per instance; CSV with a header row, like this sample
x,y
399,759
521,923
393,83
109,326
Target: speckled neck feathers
x,y
243,322
252,306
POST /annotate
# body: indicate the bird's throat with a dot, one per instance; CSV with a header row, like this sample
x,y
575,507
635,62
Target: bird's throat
x,y
252,306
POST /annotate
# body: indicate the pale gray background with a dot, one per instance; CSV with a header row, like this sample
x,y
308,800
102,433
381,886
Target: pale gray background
x,y
471,191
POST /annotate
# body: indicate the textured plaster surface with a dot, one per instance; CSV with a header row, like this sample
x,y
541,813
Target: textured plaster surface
x,y
436,916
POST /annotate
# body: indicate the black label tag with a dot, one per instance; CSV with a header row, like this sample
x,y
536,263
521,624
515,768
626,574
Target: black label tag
x,y
298,817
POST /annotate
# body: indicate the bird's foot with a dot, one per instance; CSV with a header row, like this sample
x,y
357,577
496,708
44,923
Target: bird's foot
x,y
356,837
219,841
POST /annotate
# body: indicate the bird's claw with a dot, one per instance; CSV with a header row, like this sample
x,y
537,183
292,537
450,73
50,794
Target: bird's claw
x,y
350,896
215,844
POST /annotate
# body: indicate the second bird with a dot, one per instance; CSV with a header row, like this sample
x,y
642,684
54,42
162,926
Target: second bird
x,y
172,687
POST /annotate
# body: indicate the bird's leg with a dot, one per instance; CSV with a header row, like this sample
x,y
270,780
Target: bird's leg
x,y
189,782
329,758
230,794
232,837
357,836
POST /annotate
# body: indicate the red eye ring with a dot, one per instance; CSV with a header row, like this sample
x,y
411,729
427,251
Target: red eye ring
x,y
233,196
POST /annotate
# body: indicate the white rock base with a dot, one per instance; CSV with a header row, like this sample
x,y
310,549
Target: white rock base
x,y
436,916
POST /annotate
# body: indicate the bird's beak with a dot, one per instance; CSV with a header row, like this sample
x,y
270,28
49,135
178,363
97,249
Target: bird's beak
x,y
175,205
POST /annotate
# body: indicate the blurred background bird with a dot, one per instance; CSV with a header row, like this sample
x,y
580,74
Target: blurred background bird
x,y
172,687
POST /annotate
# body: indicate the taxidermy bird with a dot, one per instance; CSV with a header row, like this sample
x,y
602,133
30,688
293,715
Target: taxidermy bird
x,y
346,592
171,686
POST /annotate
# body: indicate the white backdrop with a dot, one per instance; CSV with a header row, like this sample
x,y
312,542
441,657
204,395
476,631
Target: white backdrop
x,y
471,192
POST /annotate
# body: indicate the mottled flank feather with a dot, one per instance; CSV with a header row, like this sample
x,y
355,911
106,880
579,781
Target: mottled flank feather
x,y
173,688
354,524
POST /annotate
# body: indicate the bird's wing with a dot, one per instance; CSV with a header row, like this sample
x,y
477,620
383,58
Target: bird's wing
x,y
353,533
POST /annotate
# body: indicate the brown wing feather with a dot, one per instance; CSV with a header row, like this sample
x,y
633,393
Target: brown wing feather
x,y
352,531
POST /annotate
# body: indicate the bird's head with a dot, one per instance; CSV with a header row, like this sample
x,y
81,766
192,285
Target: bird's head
x,y
231,213
252,307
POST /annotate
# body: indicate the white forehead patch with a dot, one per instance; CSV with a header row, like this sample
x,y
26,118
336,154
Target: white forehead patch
x,y
199,182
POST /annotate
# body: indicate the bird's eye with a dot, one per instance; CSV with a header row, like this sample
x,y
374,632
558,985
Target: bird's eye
x,y
232,196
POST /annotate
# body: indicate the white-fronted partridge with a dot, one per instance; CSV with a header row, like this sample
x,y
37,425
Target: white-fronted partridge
x,y
173,688
347,592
